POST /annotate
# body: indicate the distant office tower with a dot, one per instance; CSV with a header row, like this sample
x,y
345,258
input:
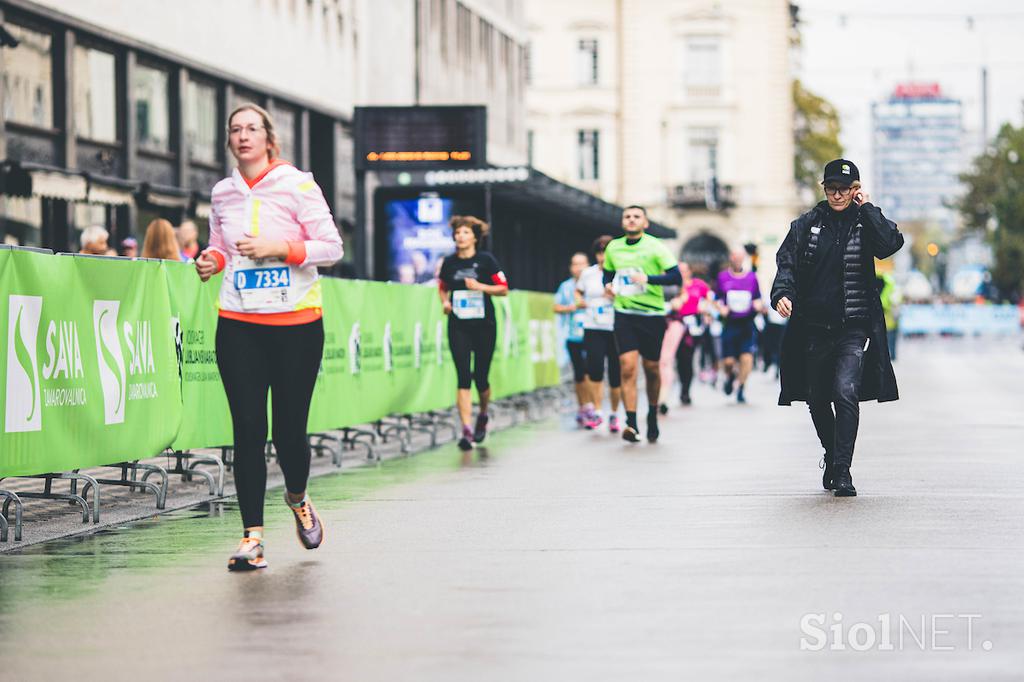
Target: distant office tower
x,y
918,154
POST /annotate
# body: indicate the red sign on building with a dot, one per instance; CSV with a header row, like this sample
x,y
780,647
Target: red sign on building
x,y
917,90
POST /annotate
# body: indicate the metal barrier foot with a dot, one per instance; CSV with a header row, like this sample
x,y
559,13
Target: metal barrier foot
x,y
18,512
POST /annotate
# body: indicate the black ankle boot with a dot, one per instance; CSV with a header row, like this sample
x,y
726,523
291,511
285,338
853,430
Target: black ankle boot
x,y
829,473
844,482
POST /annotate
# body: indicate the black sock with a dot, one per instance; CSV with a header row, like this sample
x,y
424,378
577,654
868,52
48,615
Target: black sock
x,y
631,419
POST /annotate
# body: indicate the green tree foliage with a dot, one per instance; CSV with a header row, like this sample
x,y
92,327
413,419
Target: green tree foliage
x,y
994,203
817,136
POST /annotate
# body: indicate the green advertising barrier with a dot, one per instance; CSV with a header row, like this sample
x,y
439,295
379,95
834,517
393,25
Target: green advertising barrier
x,y
107,360
206,419
90,374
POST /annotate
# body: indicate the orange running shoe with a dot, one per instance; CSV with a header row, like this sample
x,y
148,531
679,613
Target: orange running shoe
x,y
248,556
307,523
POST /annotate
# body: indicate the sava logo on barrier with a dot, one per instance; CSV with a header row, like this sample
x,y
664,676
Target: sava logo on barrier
x,y
23,409
111,361
417,345
354,350
389,363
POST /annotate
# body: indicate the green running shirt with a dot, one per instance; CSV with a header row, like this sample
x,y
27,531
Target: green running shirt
x,y
648,255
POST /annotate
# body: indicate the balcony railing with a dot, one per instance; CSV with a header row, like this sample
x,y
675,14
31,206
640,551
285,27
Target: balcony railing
x,y
709,195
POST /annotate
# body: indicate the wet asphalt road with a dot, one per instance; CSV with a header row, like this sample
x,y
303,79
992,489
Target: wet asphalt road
x,y
560,555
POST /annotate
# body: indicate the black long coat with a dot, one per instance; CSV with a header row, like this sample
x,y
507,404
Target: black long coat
x,y
880,239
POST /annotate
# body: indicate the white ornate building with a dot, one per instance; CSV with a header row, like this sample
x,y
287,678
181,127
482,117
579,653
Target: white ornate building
x,y
683,106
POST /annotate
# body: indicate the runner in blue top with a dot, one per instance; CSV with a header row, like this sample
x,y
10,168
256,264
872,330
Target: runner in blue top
x,y
570,321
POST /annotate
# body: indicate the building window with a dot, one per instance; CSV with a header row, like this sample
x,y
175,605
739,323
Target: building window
x,y
443,32
587,154
487,49
702,66
586,61
284,125
28,78
528,63
240,96
95,95
21,220
201,123
464,34
150,88
703,154
529,147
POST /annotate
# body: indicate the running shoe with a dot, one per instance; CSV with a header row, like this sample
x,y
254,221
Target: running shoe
x,y
307,523
593,421
652,427
740,395
630,434
480,431
728,385
685,399
466,442
613,423
581,417
248,556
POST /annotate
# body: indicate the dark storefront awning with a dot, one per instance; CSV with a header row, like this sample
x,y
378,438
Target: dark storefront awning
x,y
166,197
32,180
528,185
111,191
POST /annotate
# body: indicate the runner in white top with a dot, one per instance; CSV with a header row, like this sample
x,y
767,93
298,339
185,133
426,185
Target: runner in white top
x,y
599,338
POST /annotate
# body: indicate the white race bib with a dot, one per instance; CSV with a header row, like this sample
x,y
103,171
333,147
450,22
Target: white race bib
x,y
625,283
468,305
262,283
577,323
602,314
693,325
739,302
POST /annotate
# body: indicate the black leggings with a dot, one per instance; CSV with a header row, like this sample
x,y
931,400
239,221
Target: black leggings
x,y
576,357
474,341
600,345
684,363
253,358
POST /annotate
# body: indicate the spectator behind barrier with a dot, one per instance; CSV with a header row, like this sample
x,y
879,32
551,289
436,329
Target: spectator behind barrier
x,y
129,248
188,241
160,241
94,241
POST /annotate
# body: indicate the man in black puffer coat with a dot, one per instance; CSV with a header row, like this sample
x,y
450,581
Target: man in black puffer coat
x,y
835,349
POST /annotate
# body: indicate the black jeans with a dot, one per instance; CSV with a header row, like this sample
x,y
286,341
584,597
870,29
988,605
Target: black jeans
x,y
253,358
835,365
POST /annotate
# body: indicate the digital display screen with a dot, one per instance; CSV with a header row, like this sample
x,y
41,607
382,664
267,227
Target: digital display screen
x,y
419,237
404,137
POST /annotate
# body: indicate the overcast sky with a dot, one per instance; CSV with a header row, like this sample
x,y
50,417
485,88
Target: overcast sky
x,y
855,53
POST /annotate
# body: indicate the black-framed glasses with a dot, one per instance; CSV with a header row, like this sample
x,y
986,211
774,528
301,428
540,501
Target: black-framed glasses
x,y
832,190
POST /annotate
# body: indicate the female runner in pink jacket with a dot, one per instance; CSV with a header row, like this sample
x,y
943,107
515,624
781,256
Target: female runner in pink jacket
x,y
270,228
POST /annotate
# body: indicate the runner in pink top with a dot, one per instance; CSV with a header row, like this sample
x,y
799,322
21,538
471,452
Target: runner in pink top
x,y
270,228
683,323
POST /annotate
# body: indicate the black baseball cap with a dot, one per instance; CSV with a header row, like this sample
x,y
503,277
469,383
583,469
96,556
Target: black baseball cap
x,y
841,171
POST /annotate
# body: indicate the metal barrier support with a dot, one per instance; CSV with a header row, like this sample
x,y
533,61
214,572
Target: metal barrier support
x,y
352,436
71,497
160,491
216,485
10,497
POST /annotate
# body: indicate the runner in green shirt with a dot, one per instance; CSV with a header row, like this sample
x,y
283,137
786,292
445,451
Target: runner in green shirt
x,y
636,267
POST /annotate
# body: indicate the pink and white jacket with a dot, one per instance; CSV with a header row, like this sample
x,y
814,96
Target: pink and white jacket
x,y
282,203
